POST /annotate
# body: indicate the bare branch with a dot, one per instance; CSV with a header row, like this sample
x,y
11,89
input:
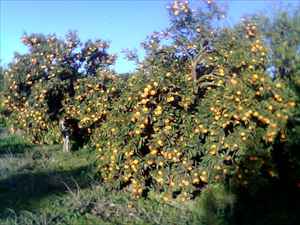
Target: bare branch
x,y
207,84
208,76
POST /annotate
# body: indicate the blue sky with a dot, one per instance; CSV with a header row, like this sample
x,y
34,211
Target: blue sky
x,y
125,23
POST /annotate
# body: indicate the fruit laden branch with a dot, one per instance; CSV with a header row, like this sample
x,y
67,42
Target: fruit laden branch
x,y
201,108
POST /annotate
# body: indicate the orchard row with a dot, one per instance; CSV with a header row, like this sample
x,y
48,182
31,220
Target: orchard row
x,y
200,110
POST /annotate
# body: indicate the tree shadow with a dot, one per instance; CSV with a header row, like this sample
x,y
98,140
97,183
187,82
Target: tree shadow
x,y
13,145
272,204
272,200
3,131
23,191
18,148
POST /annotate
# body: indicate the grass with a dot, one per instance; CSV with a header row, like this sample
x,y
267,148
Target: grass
x,y
41,185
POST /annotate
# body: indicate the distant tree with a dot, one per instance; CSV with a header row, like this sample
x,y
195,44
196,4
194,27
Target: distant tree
x,y
282,34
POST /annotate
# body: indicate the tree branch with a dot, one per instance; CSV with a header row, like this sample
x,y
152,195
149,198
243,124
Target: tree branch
x,y
207,84
195,63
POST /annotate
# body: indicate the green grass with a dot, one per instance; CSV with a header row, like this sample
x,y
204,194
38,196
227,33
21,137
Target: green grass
x,y
41,185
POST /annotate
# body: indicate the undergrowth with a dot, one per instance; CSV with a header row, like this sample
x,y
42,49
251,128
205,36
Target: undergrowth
x,y
41,185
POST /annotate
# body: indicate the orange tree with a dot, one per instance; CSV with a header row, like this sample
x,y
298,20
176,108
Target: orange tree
x,y
1,79
39,82
2,85
92,102
282,33
201,109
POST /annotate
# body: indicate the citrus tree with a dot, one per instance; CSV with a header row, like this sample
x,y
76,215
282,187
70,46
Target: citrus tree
x,y
39,82
201,109
282,35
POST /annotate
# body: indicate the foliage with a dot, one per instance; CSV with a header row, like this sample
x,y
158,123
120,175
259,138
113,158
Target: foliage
x,y
38,82
215,206
1,79
177,130
33,191
282,34
201,109
57,188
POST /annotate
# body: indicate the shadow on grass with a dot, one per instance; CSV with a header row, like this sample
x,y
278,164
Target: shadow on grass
x,y
24,191
273,200
3,131
13,145
14,148
273,204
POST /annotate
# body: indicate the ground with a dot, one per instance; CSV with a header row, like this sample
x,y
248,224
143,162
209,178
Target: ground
x,y
41,185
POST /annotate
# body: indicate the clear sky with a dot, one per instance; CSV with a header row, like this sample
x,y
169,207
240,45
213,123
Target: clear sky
x,y
125,23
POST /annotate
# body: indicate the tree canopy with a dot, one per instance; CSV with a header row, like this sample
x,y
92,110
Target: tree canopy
x,y
202,107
